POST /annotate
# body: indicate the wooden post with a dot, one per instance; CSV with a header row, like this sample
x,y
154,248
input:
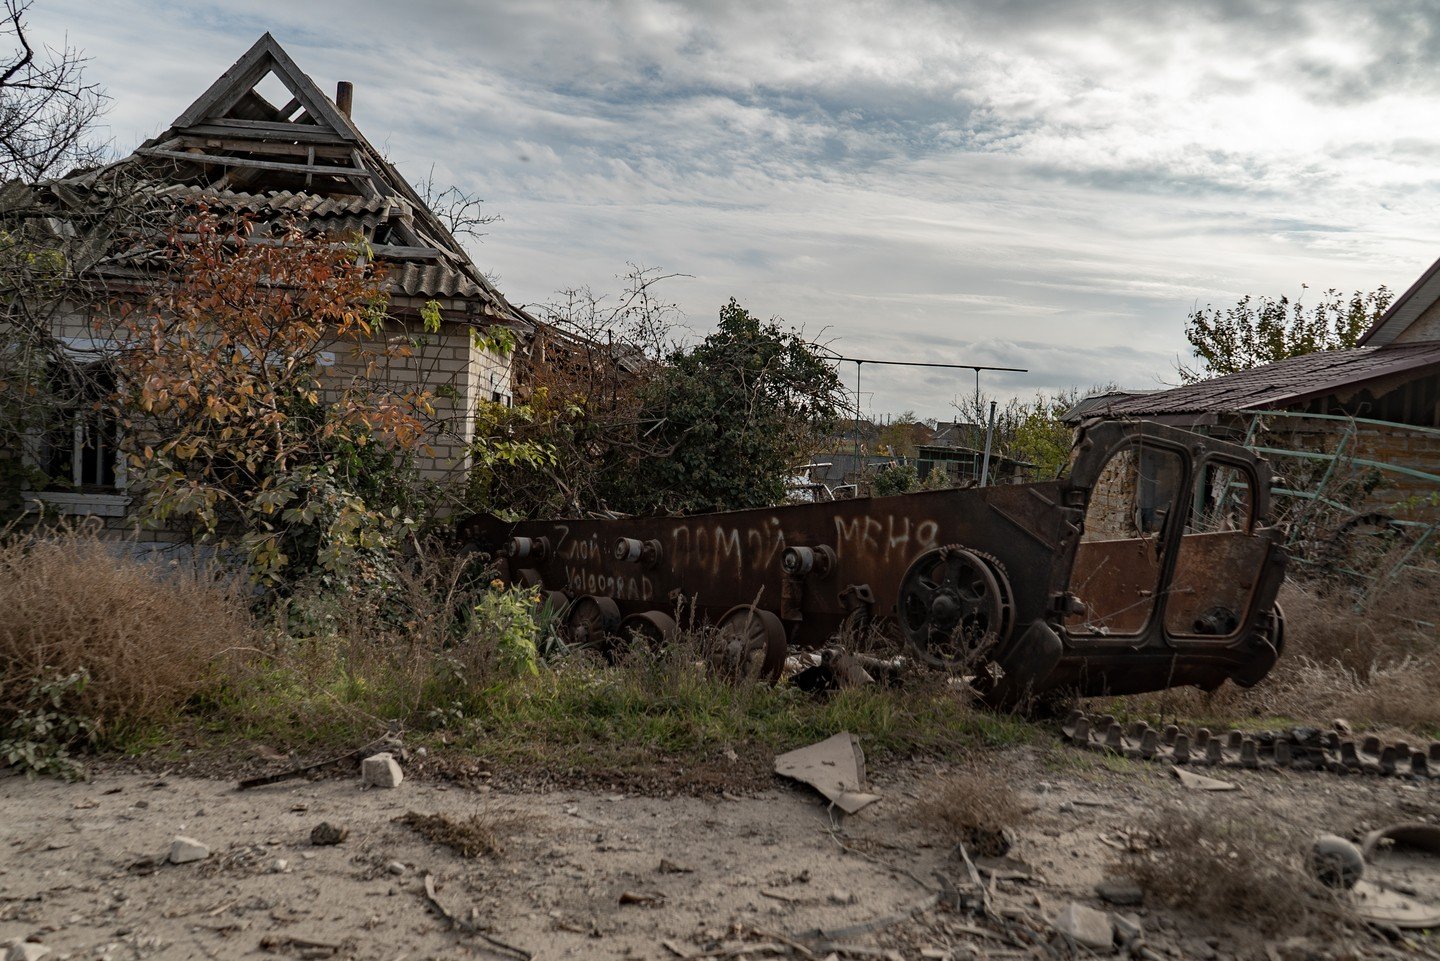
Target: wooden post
x,y
344,96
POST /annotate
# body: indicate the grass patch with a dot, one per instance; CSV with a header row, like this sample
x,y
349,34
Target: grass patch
x,y
577,716
456,664
581,716
100,649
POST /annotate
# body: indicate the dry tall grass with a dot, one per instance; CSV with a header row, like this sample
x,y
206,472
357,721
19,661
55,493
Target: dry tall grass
x,y
149,637
973,807
1376,667
1232,865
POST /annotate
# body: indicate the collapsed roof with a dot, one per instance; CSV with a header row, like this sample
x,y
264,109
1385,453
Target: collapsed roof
x,y
234,151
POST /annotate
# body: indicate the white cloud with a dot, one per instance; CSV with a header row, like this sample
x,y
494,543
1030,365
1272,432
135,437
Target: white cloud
x,y
1037,184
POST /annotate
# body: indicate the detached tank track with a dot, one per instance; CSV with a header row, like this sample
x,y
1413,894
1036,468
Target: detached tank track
x,y
1298,749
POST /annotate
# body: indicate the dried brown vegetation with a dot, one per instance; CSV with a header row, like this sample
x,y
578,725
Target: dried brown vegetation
x,y
481,834
972,807
1375,667
1231,864
148,636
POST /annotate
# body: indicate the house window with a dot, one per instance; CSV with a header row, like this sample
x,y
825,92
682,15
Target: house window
x,y
80,451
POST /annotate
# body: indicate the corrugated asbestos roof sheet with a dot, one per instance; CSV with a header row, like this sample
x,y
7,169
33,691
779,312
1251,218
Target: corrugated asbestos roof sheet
x,y
431,280
1277,384
285,201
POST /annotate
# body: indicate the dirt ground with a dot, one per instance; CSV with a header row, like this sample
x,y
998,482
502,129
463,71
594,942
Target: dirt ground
x,y
590,874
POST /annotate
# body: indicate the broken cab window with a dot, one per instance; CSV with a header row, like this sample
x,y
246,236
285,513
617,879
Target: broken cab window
x,y
1219,558
1118,563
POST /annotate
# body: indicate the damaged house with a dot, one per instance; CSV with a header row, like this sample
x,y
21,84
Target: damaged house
x,y
1357,429
265,142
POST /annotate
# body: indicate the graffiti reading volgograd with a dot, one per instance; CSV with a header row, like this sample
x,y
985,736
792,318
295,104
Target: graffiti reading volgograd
x,y
1149,565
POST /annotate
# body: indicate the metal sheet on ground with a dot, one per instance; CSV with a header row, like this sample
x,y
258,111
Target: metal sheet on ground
x,y
835,767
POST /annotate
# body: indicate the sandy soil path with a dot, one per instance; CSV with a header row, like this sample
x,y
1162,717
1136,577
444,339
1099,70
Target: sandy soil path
x,y
76,869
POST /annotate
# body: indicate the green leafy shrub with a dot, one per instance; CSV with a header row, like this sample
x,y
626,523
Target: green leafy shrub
x,y
43,731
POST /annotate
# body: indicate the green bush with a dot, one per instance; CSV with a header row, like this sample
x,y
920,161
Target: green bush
x,y
45,728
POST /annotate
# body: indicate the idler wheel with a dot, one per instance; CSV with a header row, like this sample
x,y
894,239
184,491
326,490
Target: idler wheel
x,y
590,621
654,628
751,644
954,607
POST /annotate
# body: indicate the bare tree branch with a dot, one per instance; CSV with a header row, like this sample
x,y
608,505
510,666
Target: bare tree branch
x,y
47,107
458,211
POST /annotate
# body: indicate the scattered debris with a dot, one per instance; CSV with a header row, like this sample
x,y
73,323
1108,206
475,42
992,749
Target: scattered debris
x,y
1300,749
647,900
1004,868
381,770
469,925
26,951
1335,862
668,866
304,947
1129,933
349,757
1199,782
1085,926
1122,891
835,767
325,834
479,834
840,896
183,850
1403,885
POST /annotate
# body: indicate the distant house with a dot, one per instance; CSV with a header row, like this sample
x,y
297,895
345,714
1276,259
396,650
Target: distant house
x,y
265,142
1377,404
963,466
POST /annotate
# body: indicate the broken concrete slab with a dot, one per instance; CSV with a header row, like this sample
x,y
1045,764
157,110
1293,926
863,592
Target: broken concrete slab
x,y
835,767
1199,782
1085,926
183,850
381,770
1128,929
26,951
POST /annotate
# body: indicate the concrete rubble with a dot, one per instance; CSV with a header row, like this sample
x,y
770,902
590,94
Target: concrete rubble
x,y
183,850
381,770
26,951
1085,926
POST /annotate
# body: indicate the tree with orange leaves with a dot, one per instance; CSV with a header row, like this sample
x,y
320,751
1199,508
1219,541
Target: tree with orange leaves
x,y
238,420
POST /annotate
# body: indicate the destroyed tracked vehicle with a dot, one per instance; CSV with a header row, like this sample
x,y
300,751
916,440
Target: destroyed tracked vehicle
x,y
1148,566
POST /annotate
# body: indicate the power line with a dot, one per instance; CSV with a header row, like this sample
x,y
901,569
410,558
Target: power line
x,y
860,362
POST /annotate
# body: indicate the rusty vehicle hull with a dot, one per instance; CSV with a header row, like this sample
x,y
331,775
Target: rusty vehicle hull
x,y
1105,581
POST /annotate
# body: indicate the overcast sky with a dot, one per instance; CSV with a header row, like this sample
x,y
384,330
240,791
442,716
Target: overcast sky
x,y
1025,184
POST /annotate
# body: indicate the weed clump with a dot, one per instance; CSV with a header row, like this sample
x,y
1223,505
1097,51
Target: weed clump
x,y
481,834
107,641
1230,865
973,808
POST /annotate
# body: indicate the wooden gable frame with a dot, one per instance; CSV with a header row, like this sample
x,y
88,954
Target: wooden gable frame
x,y
232,141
